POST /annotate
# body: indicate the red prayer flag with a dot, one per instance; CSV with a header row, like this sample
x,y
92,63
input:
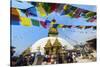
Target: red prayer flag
x,y
43,24
53,7
92,19
77,13
88,27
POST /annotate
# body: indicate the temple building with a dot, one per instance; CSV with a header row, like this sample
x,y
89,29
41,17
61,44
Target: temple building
x,y
52,46
58,50
56,46
54,49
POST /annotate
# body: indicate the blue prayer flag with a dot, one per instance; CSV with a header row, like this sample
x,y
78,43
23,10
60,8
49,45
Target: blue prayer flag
x,y
32,11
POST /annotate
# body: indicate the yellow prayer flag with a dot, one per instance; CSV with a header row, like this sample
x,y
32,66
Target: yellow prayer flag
x,y
41,10
65,7
25,21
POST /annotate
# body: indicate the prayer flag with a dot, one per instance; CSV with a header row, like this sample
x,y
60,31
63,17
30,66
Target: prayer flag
x,y
77,13
80,27
66,12
60,25
90,14
35,22
32,11
66,7
94,27
25,21
86,27
47,21
92,19
14,20
84,13
15,11
41,10
53,7
47,7
43,24
59,8
73,8
70,14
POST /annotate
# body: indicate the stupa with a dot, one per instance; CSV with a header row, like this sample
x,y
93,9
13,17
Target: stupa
x,y
55,47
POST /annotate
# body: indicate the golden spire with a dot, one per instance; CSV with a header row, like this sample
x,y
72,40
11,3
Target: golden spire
x,y
48,44
57,43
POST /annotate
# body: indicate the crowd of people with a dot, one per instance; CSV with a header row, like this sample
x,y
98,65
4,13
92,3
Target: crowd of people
x,y
38,59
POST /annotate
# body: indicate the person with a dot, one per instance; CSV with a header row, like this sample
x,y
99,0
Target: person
x,y
60,59
22,61
74,57
44,60
69,58
13,61
32,58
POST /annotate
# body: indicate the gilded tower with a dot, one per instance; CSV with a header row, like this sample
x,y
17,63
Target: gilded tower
x,y
56,46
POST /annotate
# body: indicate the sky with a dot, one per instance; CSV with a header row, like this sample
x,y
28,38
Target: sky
x,y
23,37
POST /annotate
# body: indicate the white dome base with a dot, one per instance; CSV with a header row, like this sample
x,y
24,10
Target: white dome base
x,y
42,42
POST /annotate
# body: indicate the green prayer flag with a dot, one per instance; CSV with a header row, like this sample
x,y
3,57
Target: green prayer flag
x,y
70,14
35,22
73,8
60,26
47,7
90,14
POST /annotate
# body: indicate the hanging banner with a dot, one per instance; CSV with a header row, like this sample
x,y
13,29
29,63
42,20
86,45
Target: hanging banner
x,y
43,24
14,20
25,21
53,7
31,11
15,11
35,22
77,13
92,19
41,10
90,14
47,7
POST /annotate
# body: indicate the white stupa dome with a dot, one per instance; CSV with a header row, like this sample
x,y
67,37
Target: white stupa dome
x,y
40,44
